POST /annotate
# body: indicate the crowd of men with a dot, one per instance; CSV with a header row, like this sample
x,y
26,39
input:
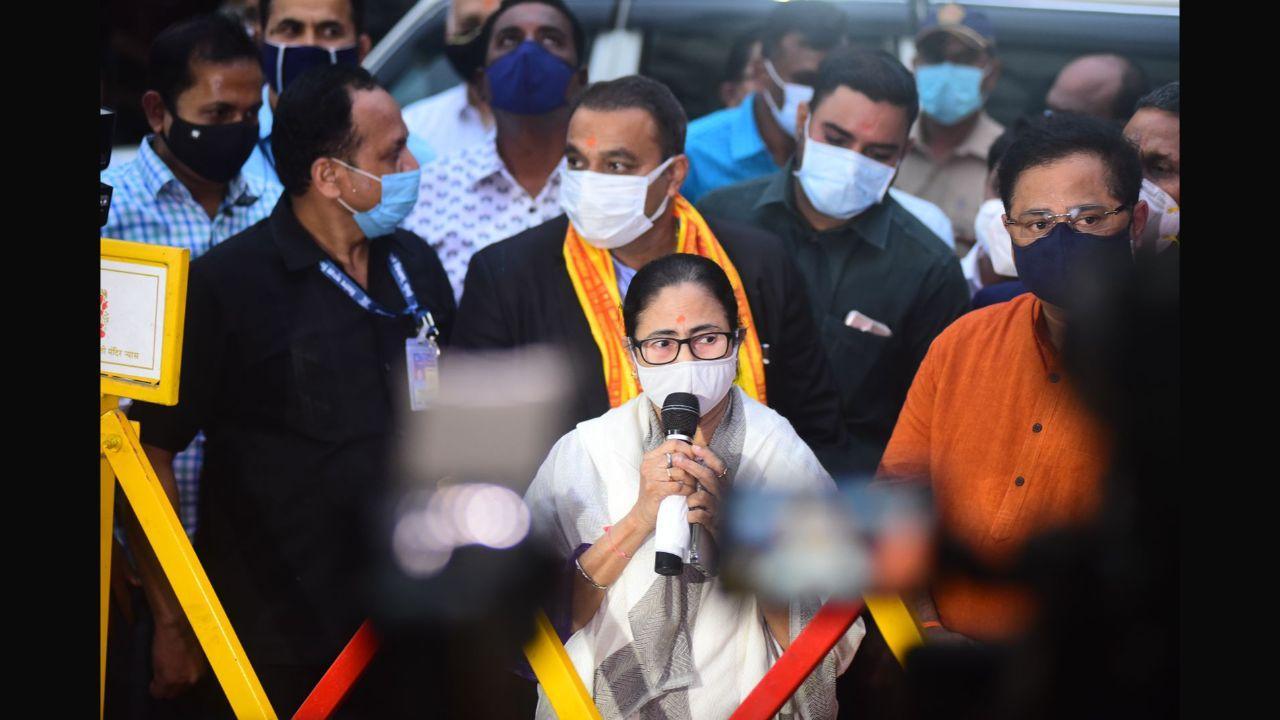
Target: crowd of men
x,y
910,268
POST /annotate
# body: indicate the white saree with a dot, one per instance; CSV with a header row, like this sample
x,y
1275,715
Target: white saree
x,y
676,647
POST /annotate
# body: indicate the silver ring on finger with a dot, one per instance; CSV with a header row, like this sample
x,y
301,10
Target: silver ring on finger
x,y
723,473
668,463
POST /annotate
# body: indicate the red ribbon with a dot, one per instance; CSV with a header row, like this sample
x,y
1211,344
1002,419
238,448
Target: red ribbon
x,y
806,651
341,675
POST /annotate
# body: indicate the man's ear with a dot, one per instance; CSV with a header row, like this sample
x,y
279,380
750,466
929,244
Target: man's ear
x,y
992,77
802,136
579,82
758,75
326,178
679,170
1141,214
363,45
154,110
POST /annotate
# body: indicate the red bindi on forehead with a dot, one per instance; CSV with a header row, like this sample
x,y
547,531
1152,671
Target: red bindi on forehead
x,y
591,142
680,318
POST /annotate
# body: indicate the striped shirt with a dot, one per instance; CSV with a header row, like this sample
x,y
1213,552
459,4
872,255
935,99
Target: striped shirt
x,y
150,205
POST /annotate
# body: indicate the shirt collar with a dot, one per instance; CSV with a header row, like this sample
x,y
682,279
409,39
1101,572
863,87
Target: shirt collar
x,y
744,135
461,107
296,245
976,145
245,189
484,162
265,117
157,177
1040,332
872,225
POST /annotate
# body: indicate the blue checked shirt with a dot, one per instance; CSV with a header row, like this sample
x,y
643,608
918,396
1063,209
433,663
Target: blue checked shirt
x,y
150,205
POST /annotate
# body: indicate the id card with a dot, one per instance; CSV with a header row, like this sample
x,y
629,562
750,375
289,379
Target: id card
x,y
422,358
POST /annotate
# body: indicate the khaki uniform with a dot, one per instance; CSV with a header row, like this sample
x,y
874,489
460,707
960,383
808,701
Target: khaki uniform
x,y
958,184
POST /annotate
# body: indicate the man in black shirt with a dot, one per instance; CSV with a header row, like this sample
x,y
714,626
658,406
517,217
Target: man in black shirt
x,y
624,165
294,366
881,285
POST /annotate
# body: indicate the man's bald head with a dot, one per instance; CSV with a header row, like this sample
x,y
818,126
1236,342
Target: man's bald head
x,y
1104,86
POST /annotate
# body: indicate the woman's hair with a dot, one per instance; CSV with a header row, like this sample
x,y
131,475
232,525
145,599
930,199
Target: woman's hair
x,y
675,269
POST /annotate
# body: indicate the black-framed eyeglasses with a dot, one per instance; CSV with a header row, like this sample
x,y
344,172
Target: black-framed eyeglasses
x,y
704,346
1090,219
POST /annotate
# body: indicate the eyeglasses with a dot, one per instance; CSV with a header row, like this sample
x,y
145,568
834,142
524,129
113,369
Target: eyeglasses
x,y
1089,219
704,346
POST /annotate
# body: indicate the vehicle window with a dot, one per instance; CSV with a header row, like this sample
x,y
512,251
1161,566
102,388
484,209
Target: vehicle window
x,y
688,50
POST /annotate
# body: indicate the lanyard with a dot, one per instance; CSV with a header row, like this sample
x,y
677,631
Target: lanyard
x,y
427,325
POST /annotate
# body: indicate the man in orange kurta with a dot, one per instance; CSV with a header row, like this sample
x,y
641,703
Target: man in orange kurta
x,y
992,420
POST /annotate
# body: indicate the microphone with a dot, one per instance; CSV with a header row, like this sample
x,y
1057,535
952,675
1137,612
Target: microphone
x,y
672,534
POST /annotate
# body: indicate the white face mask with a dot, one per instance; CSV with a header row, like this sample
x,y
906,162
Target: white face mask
x,y
708,380
608,210
792,95
1163,217
841,183
990,231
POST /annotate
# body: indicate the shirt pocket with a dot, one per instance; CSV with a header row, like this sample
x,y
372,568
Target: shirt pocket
x,y
854,354
294,386
1060,490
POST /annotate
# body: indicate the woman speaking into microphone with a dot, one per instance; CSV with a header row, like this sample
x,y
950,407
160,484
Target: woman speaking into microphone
x,y
652,645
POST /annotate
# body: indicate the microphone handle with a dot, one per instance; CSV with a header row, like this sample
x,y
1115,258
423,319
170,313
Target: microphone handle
x,y
695,530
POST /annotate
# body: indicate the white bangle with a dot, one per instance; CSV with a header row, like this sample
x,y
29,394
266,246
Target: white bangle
x,y
578,564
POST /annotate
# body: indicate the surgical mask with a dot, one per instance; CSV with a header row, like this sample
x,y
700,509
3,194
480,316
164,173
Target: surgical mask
x,y
949,92
841,183
1163,220
399,195
1047,266
528,80
708,380
792,95
990,231
214,152
607,211
282,64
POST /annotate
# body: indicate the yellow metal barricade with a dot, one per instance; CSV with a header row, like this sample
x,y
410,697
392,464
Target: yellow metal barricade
x,y
142,489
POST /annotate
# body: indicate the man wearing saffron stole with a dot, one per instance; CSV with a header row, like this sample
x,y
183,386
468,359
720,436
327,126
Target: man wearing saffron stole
x,y
563,282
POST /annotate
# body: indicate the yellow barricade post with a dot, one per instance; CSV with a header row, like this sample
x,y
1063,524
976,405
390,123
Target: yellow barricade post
x,y
106,503
555,671
896,623
164,532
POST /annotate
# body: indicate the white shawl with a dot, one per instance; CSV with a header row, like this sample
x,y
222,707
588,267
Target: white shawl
x,y
591,479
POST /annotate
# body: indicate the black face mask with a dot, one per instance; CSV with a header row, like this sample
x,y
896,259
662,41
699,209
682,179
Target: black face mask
x,y
465,57
214,152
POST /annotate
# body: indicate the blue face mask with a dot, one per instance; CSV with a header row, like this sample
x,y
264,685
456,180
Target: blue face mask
x,y
949,92
282,64
528,80
399,195
1048,266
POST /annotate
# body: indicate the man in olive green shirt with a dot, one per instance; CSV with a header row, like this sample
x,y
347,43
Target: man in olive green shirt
x,y
881,284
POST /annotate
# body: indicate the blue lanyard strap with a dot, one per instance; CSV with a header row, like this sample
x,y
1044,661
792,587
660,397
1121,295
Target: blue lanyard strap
x,y
421,315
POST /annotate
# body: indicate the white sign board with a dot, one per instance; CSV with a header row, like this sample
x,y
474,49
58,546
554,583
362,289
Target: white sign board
x,y
131,319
